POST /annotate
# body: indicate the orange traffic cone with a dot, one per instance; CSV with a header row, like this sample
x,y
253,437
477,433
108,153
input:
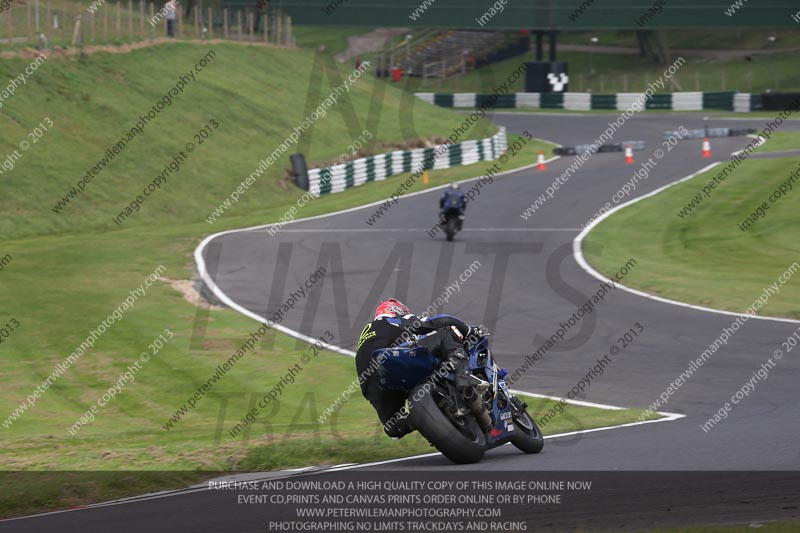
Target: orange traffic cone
x,y
541,165
628,154
706,147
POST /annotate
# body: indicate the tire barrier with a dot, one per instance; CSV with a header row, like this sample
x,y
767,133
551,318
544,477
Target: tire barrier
x,y
300,170
338,178
680,101
611,147
709,132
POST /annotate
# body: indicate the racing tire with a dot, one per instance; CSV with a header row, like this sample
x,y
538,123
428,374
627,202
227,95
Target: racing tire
x,y
528,437
450,228
464,445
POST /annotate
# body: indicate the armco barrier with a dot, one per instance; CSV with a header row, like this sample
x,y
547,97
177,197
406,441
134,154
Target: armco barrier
x,y
680,101
338,178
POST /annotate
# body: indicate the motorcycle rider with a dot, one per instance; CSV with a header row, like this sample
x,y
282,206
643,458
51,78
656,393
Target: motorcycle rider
x,y
453,198
392,325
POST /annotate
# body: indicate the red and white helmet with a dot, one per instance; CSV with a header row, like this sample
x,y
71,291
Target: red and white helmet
x,y
391,307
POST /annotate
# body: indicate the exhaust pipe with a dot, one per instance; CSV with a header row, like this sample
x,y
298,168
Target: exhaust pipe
x,y
477,408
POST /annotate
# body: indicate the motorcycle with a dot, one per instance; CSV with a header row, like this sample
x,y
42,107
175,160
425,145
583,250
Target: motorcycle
x,y
452,221
462,424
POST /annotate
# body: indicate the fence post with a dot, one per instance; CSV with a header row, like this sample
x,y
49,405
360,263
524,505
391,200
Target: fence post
x,y
64,30
179,9
130,20
225,22
266,23
239,23
152,12
289,33
10,26
77,34
30,31
252,19
142,33
196,12
210,23
278,18
47,20
119,20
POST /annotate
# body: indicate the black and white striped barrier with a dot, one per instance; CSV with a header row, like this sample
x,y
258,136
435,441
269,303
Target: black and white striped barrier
x,y
610,147
708,132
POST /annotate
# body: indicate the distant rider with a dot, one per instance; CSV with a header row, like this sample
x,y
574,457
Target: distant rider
x,y
443,337
453,198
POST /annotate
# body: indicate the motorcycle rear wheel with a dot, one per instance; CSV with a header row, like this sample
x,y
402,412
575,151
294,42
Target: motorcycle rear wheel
x,y
460,440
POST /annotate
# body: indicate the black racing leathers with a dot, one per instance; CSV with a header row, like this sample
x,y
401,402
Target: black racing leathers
x,y
387,332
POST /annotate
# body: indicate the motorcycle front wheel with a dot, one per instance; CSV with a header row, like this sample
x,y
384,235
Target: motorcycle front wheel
x,y
459,439
528,437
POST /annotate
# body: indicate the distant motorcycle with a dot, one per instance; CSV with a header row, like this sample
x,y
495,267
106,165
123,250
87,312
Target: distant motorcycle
x,y
462,424
452,222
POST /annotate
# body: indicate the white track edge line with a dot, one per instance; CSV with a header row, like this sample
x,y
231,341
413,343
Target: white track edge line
x,y
577,252
573,402
419,230
203,272
667,417
751,136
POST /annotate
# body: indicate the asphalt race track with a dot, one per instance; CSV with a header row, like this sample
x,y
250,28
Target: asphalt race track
x,y
526,284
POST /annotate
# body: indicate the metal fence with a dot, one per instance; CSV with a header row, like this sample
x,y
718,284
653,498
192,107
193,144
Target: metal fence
x,y
66,24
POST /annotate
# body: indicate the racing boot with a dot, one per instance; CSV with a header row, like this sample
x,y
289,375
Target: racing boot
x,y
399,426
459,363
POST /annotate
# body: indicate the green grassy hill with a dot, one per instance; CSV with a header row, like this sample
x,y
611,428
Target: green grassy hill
x,y
256,94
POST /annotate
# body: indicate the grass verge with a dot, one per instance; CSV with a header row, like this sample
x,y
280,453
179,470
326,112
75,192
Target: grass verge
x,y
781,141
293,439
705,258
